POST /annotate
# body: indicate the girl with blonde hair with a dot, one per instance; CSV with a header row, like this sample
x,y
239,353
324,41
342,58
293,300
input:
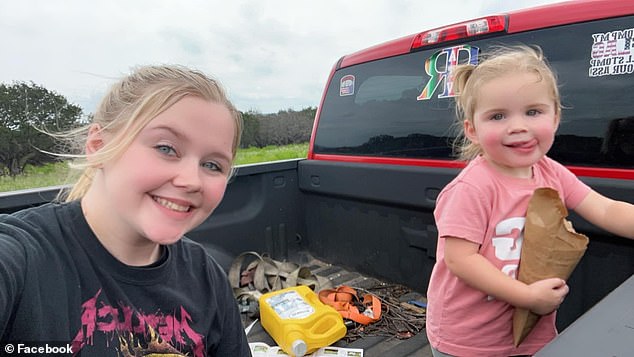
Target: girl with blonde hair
x,y
109,270
509,109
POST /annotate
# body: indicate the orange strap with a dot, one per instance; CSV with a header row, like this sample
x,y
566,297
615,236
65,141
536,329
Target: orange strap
x,y
343,299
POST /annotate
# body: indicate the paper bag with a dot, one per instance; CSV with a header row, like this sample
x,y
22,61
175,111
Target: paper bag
x,y
551,249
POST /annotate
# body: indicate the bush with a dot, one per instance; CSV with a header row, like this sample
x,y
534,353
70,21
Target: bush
x,y
282,128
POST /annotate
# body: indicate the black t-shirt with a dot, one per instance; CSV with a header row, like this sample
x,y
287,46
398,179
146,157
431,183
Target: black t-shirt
x,y
58,284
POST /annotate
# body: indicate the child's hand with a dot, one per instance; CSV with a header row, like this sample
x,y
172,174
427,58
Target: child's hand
x,y
547,295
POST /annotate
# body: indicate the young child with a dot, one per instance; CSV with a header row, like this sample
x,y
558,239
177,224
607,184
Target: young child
x,y
109,271
509,108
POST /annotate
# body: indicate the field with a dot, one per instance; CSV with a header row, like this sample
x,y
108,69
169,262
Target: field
x,y
56,174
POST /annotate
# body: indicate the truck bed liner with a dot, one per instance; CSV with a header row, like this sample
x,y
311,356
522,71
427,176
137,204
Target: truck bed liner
x,y
373,345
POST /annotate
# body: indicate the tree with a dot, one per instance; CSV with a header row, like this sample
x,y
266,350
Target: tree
x,y
25,110
286,127
250,129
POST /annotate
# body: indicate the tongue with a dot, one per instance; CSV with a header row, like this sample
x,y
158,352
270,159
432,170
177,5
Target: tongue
x,y
525,144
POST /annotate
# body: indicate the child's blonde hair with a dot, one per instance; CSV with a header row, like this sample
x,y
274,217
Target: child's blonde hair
x,y
468,79
131,104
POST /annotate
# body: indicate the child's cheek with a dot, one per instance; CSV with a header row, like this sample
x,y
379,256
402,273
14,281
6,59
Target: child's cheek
x,y
546,134
490,139
548,130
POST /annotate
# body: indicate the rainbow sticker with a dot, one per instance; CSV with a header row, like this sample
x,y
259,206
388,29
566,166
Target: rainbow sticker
x,y
438,67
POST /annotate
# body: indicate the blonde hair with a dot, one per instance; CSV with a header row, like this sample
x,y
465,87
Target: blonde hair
x,y
468,79
130,105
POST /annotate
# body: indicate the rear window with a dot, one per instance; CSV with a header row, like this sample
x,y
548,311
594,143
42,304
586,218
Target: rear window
x,y
396,107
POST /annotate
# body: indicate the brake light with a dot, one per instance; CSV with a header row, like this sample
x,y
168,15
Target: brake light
x,y
461,30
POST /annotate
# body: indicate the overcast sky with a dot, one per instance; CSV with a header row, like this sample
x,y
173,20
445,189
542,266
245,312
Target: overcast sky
x,y
269,54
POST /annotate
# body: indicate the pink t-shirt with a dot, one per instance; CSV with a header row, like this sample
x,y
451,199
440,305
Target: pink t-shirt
x,y
488,208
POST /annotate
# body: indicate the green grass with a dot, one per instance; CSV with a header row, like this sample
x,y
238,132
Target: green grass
x,y
270,153
56,174
36,176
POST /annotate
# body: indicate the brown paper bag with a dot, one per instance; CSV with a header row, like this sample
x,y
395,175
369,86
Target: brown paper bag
x,y
551,249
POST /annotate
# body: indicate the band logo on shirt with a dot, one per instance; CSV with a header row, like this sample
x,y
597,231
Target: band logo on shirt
x,y
132,327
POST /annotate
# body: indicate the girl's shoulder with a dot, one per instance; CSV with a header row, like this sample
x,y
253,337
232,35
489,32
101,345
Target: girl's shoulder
x,y
472,186
32,235
33,220
546,163
476,175
476,170
553,173
195,254
557,176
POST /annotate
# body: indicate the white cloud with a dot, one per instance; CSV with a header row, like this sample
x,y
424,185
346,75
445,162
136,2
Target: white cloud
x,y
270,55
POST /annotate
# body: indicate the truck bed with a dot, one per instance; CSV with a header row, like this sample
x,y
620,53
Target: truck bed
x,y
378,339
354,222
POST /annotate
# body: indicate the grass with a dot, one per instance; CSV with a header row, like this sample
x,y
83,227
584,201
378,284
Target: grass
x,y
270,153
56,174
36,176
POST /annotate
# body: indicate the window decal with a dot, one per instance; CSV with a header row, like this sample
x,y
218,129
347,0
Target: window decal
x,y
439,66
346,85
612,53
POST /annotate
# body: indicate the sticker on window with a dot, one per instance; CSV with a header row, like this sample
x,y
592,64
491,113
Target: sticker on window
x,y
612,53
346,85
440,64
